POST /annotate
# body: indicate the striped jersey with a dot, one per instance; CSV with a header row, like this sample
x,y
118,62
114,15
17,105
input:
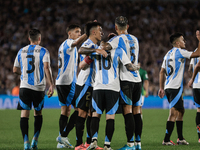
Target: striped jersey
x,y
107,69
87,76
67,63
174,64
129,44
30,60
196,83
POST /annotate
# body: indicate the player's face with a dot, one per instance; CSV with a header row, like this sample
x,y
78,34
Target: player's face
x,y
76,33
181,42
99,33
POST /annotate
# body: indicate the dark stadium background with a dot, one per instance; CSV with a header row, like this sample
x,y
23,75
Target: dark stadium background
x,y
151,21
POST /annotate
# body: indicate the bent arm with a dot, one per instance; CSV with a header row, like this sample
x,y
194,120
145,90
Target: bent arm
x,y
16,70
132,67
197,52
49,77
80,40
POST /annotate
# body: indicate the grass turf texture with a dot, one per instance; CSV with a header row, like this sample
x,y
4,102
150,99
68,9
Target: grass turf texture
x,y
154,124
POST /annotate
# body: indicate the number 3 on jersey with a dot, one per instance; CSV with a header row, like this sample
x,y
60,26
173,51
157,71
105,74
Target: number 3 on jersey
x,y
31,61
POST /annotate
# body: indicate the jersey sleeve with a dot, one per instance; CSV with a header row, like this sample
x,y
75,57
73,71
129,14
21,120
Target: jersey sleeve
x,y
145,75
69,43
192,61
46,57
114,42
185,53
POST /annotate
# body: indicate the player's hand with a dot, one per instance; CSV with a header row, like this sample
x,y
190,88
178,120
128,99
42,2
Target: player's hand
x,y
190,83
198,35
102,52
102,45
136,67
161,93
50,91
146,94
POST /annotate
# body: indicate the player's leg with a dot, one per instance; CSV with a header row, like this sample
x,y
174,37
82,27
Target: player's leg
x,y
65,94
198,123
88,122
24,128
96,109
126,101
136,98
196,94
80,122
38,104
110,127
111,105
94,128
25,104
173,113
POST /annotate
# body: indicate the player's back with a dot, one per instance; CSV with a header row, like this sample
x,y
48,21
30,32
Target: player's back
x,y
67,63
107,69
129,44
31,59
174,64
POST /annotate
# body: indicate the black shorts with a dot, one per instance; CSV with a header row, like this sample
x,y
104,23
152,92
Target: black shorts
x,y
130,92
83,97
174,102
196,94
66,94
105,99
28,96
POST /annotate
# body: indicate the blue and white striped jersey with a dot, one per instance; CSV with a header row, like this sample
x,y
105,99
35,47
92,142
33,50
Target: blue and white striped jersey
x,y
67,63
87,76
30,60
174,64
107,69
196,83
129,44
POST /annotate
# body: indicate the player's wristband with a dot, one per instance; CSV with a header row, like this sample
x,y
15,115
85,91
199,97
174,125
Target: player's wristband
x,y
88,60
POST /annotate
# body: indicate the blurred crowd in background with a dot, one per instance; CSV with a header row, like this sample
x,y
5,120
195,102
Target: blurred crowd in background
x,y
151,21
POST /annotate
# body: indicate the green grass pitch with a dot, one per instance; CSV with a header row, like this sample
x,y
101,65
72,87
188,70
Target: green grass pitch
x,y
154,122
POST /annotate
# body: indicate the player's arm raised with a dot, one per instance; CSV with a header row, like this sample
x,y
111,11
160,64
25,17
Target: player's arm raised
x,y
79,41
197,52
47,70
88,51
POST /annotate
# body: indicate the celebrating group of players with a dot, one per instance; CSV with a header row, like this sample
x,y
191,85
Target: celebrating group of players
x,y
108,80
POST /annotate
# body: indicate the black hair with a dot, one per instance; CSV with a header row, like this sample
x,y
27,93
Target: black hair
x,y
33,34
71,27
121,21
175,36
110,36
91,25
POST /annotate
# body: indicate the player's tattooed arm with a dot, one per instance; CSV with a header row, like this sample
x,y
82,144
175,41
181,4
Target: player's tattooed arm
x,y
106,46
80,40
132,67
88,51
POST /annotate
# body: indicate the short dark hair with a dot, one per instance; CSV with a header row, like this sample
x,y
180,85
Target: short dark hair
x,y
91,25
121,21
72,27
175,36
34,34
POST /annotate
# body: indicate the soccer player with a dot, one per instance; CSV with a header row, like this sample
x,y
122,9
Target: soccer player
x,y
84,85
145,87
106,91
195,64
32,63
66,80
173,67
130,83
